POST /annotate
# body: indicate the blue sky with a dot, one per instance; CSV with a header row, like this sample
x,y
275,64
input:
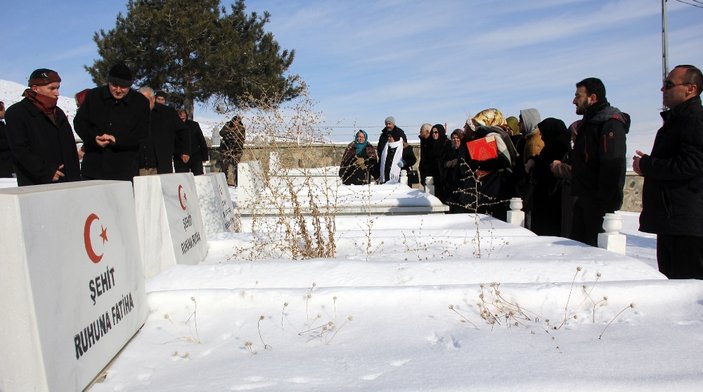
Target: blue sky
x,y
419,61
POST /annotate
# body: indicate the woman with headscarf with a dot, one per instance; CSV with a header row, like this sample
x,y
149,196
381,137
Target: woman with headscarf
x,y
486,179
438,149
450,171
359,162
545,217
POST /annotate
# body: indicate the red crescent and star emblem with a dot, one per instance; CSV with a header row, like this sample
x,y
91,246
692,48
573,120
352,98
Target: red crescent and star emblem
x,y
94,257
182,198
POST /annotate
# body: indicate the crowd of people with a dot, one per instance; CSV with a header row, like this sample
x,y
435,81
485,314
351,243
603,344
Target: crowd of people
x,y
566,191
569,178
125,133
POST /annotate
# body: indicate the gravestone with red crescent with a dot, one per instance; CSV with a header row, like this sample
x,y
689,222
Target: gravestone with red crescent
x,y
72,283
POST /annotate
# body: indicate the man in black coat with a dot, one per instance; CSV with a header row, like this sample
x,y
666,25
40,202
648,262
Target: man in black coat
x,y
672,197
198,147
425,141
166,133
112,122
385,132
598,160
5,156
40,137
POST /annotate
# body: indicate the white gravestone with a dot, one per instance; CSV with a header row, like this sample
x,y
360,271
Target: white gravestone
x,y
169,222
71,283
516,215
611,239
215,203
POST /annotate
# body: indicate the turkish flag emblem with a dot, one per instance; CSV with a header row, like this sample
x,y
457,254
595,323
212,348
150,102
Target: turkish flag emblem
x,y
87,238
182,198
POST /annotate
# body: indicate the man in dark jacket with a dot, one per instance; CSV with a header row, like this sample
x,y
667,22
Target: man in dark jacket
x,y
166,133
425,142
40,137
672,197
5,156
396,156
233,136
112,122
198,147
385,132
598,165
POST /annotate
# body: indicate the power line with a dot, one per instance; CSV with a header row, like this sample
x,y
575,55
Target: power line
x,y
695,3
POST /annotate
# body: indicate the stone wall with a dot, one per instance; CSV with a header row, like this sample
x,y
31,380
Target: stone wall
x,y
322,155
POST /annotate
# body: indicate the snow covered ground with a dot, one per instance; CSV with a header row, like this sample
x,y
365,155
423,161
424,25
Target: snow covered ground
x,y
420,311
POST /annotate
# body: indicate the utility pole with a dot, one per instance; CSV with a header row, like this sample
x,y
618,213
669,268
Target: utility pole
x,y
665,44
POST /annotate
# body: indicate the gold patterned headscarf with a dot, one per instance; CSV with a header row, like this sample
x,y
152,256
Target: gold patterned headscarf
x,y
489,117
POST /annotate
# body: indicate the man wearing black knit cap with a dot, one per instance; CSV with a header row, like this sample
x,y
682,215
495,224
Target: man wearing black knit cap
x,y
40,137
112,122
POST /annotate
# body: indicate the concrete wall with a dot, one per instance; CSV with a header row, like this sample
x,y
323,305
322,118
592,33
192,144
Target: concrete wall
x,y
321,155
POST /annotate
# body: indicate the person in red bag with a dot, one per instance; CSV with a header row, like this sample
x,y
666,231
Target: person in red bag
x,y
489,157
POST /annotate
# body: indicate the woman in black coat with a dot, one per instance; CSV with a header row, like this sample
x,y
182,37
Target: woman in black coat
x,y
450,172
545,216
440,146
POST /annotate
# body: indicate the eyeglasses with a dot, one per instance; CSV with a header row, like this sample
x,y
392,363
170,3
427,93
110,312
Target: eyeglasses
x,y
435,132
668,84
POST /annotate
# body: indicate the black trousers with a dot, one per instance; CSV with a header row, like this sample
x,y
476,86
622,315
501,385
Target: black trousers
x,y
587,221
194,165
680,256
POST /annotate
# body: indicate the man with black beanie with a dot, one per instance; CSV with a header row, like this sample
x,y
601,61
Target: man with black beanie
x,y
112,122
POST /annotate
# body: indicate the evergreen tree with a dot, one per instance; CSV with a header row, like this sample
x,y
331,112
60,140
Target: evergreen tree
x,y
196,50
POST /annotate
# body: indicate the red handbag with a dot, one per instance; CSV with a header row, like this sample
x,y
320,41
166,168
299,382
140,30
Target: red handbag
x,y
483,149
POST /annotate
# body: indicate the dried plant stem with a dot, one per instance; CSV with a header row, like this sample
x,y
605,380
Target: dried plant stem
x,y
194,315
630,306
568,299
283,314
336,330
453,309
258,326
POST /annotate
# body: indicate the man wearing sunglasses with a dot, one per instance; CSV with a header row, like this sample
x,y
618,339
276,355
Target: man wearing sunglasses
x,y
598,160
672,197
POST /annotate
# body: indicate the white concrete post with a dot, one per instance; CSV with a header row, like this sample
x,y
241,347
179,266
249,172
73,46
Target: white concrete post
x,y
274,162
429,185
516,216
612,240
404,177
